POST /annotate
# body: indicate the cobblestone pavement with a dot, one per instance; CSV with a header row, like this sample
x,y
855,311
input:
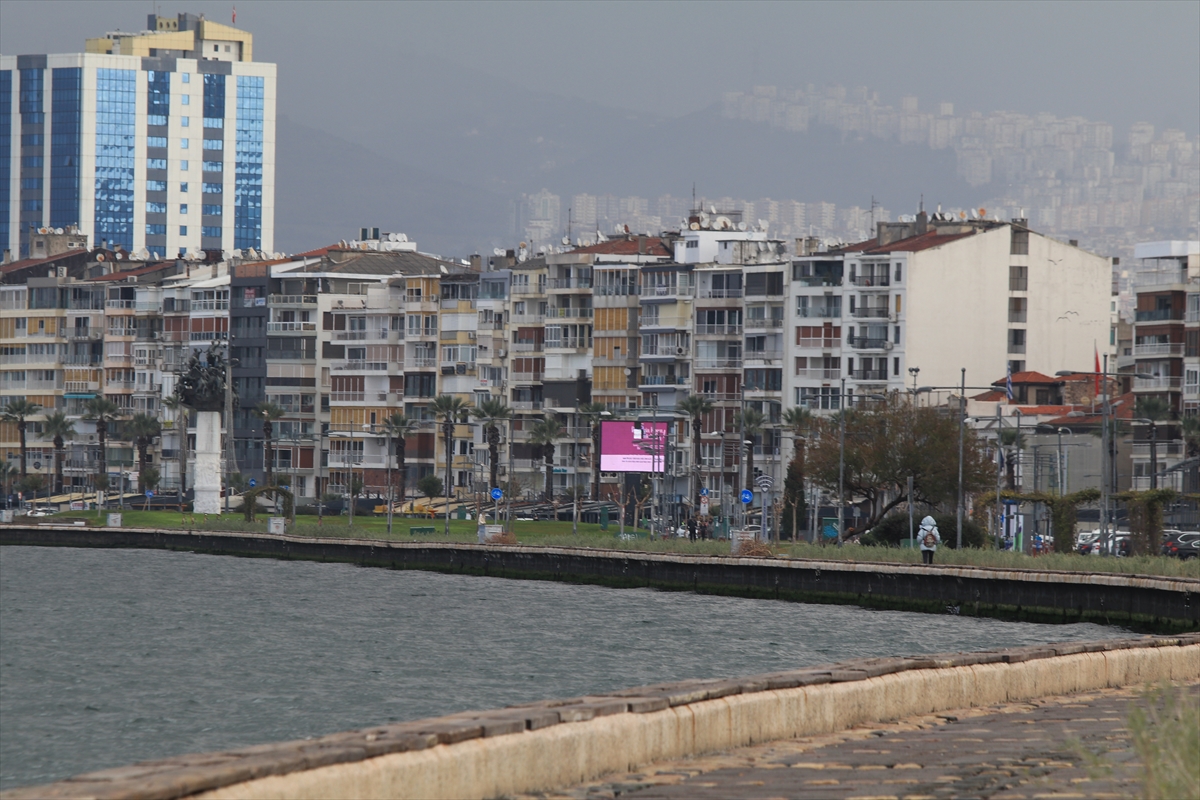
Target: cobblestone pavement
x,y
1016,750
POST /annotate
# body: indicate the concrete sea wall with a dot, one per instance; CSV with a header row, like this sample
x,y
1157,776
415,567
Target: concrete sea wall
x,y
551,744
1146,603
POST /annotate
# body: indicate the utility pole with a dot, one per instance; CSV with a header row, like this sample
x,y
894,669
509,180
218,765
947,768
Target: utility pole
x,y
841,509
1104,455
962,422
230,459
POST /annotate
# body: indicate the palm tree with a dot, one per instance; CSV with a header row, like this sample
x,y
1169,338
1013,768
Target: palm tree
x,y
58,427
696,406
489,412
593,412
7,473
174,404
269,413
17,412
798,420
1191,442
142,428
102,411
751,423
452,410
545,433
398,427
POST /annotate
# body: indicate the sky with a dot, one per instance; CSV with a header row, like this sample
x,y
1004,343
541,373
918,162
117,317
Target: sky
x,y
1112,61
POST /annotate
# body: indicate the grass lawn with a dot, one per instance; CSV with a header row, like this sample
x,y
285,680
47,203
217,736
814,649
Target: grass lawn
x,y
558,533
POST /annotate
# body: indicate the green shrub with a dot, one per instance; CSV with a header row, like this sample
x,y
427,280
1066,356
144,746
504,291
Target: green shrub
x,y
893,529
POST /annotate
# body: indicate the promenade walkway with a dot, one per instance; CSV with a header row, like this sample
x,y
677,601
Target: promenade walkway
x,y
1017,750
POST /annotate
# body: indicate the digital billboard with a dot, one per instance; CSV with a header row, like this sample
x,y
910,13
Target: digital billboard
x,y
632,447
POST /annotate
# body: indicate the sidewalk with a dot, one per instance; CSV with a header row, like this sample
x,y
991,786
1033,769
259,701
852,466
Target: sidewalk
x,y
1018,750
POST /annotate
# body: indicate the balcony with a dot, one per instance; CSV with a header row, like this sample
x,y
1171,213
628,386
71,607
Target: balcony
x,y
1015,348
1158,349
763,323
81,361
292,300
729,329
666,291
85,334
573,343
819,312
347,397
818,280
345,460
291,327
527,376
118,386
665,351
420,362
871,281
869,375
1159,384
1160,315
718,294
526,405
528,347
571,283
569,313
210,305
717,363
361,364
721,397
524,319
819,374
867,312
664,380
763,355
376,334
133,305
870,343
1164,447
818,344
81,387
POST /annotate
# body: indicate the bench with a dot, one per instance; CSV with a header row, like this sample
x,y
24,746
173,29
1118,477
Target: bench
x,y
422,531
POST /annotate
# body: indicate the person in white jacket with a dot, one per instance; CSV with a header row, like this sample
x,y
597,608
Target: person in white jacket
x,y
929,539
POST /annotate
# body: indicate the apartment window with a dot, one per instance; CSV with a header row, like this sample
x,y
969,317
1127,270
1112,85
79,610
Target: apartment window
x,y
156,141
183,187
1018,279
156,163
185,99
183,165
183,144
183,208
899,272
1016,366
1017,308
183,122
186,77
1016,340
1019,242
896,335
183,230
895,367
1191,381
156,208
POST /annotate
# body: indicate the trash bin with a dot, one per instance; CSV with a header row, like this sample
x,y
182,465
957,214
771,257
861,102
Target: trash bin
x,y
276,525
114,519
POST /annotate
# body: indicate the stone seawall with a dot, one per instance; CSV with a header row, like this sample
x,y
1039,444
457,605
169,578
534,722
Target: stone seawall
x,y
1146,603
541,746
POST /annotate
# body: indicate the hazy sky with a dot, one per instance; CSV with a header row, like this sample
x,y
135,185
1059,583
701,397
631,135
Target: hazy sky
x,y
1119,62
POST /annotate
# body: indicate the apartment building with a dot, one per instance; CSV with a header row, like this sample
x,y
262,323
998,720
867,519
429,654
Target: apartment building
x,y
936,294
1166,351
160,142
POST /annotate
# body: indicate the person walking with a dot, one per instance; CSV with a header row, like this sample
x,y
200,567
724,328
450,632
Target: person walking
x,y
929,538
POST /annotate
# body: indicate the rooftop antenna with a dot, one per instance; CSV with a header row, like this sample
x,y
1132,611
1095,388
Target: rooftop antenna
x,y
874,206
693,194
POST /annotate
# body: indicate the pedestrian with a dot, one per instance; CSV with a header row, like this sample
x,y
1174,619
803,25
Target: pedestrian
x,y
691,526
929,538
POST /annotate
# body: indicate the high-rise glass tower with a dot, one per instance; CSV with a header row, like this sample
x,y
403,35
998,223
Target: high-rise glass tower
x,y
162,140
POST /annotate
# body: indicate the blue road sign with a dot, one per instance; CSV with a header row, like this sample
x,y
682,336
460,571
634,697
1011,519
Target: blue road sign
x,y
497,494
149,493
747,495
253,483
704,492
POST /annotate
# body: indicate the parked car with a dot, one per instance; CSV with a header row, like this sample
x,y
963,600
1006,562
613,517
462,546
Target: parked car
x,y
1181,544
1114,543
1085,540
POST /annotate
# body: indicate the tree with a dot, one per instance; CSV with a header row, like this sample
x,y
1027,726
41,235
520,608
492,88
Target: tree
x,y
180,411
58,427
269,412
593,412
696,406
1014,439
398,427
545,433
1156,410
103,411
430,486
1191,442
490,412
751,423
452,410
142,428
798,420
888,443
148,479
7,473
17,412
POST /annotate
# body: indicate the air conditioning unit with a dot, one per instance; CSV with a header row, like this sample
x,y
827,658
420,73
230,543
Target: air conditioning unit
x,y
501,353
471,335
887,345
681,351
62,272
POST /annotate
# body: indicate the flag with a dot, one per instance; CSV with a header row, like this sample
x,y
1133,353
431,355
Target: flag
x,y
1008,383
1097,370
235,15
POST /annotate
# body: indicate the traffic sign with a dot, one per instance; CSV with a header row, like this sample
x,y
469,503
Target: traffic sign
x,y
149,493
747,495
496,493
704,492
253,483
763,482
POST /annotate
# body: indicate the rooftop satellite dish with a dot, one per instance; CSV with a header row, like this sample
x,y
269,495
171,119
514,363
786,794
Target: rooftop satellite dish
x,y
403,237
962,215
277,256
237,253
59,231
43,231
695,226
704,218
120,255
566,240
762,223
496,251
973,214
143,254
741,226
522,255
982,213
100,256
723,223
712,210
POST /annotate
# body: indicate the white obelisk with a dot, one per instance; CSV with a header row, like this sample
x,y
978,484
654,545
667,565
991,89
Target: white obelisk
x,y
208,463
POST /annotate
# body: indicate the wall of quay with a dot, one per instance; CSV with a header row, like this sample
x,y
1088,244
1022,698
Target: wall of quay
x,y
557,743
1143,603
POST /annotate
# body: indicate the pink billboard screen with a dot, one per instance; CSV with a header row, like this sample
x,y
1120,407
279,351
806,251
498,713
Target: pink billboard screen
x,y
629,447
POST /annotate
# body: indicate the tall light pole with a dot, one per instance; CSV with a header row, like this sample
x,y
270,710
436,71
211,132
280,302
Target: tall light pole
x,y
841,509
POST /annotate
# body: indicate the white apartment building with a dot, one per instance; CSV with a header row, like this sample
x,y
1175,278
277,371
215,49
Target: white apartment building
x,y
938,295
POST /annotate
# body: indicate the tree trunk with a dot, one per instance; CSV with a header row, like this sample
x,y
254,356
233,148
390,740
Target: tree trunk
x,y
268,429
21,434
596,461
183,453
548,455
493,437
58,464
696,461
448,435
401,467
102,436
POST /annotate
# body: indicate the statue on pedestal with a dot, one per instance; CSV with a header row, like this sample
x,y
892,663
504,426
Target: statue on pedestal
x,y
201,386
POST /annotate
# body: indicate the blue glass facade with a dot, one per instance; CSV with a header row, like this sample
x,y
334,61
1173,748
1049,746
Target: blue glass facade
x,y
66,119
31,106
158,97
116,106
248,167
32,91
214,98
6,77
